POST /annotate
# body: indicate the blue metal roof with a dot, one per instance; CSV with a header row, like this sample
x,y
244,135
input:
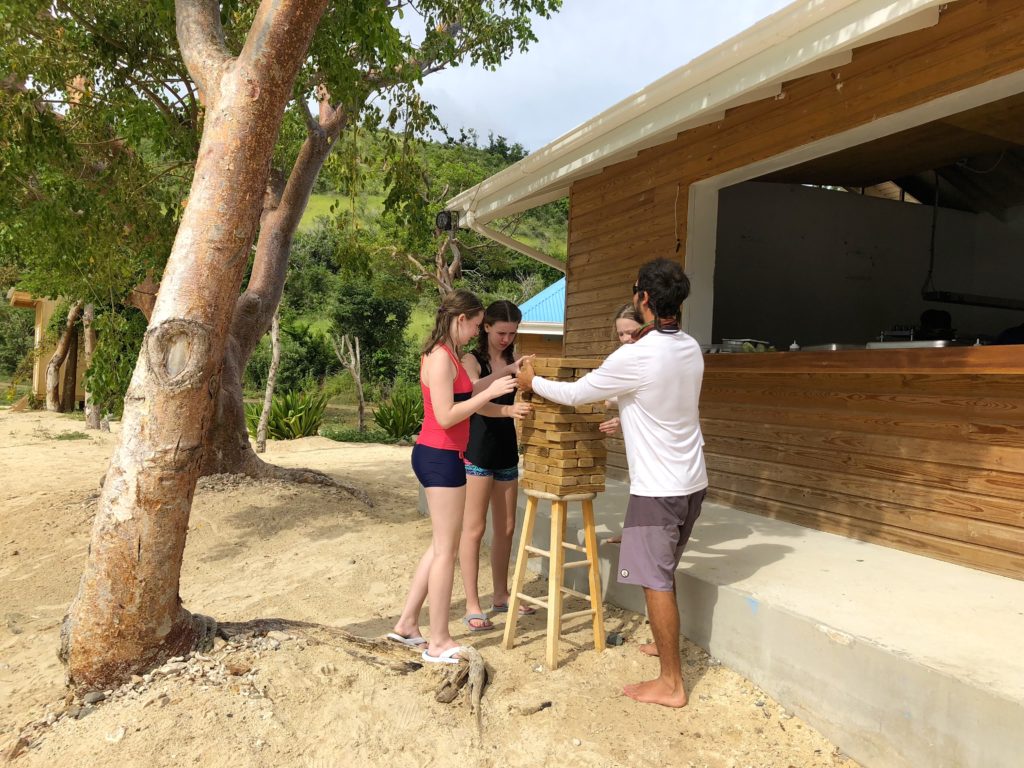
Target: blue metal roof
x,y
548,306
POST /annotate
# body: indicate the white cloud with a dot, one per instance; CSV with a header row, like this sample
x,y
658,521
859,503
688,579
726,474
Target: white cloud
x,y
589,56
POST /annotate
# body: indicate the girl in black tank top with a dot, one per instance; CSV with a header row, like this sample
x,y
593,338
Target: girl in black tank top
x,y
492,440
492,465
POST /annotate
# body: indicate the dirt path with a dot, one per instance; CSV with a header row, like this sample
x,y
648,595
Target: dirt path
x,y
276,550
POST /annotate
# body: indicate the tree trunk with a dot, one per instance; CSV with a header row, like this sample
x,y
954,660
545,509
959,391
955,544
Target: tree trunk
x,y
53,400
348,356
358,376
127,615
92,413
268,397
69,395
228,448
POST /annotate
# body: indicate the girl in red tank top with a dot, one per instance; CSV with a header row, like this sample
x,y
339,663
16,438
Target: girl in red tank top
x,y
448,402
432,434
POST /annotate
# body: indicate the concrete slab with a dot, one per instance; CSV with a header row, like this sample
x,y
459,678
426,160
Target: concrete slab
x,y
900,660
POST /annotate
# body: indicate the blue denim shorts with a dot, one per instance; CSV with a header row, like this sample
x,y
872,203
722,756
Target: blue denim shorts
x,y
501,475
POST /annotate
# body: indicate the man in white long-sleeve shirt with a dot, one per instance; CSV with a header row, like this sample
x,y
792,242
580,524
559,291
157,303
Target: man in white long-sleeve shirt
x,y
657,383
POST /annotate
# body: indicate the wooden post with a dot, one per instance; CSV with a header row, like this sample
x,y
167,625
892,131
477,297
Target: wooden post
x,y
522,558
555,575
596,597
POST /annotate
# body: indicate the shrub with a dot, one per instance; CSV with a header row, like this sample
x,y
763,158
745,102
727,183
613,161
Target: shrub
x,y
402,415
306,355
292,415
119,338
17,336
340,385
379,323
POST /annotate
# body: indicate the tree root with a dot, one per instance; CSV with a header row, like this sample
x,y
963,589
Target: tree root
x,y
379,652
475,676
254,467
382,653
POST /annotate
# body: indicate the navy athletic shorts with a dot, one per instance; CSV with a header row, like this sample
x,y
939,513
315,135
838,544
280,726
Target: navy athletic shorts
x,y
438,467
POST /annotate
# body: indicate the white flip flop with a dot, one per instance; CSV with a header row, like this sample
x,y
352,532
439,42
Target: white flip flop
x,y
413,642
446,657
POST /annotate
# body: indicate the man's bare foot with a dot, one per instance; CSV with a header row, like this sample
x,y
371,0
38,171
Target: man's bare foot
x,y
614,540
657,692
649,648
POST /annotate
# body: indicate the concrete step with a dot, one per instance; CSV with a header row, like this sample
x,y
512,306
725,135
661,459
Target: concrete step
x,y
900,660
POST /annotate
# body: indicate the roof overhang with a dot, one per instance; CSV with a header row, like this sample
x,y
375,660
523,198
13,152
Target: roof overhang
x,y
804,38
21,299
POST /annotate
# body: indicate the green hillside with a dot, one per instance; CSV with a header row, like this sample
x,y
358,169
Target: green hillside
x,y
452,167
350,270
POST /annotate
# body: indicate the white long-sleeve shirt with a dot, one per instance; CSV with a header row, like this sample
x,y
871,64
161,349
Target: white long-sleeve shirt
x,y
657,382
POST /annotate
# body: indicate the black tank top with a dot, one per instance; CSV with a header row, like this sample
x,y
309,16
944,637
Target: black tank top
x,y
492,441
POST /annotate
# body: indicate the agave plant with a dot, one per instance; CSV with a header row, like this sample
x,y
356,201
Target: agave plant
x,y
292,415
402,415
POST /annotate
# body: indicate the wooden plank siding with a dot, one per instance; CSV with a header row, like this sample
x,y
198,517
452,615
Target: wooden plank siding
x,y
539,345
921,450
637,209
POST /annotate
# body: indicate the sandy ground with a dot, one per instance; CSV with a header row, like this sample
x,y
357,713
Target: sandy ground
x,y
278,550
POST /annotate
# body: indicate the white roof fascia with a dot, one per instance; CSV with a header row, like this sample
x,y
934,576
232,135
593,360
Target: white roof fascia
x,y
542,329
544,197
804,37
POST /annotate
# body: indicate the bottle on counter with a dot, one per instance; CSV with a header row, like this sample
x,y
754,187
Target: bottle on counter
x,y
794,347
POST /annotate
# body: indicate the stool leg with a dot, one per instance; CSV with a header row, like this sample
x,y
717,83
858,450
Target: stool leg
x,y
590,536
522,559
555,575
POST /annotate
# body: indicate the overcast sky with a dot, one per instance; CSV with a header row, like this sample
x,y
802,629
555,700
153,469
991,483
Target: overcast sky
x,y
589,56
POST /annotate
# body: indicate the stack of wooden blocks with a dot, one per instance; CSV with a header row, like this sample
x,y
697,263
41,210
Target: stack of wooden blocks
x,y
564,452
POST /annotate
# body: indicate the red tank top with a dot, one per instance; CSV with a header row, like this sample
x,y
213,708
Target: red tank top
x,y
456,437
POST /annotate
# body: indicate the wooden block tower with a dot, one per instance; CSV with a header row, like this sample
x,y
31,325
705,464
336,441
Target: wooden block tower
x,y
564,453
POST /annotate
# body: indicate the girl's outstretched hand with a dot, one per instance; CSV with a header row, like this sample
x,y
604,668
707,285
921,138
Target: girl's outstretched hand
x,y
501,386
520,410
513,367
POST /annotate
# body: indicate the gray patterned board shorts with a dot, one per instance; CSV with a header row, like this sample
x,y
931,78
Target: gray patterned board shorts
x,y
653,537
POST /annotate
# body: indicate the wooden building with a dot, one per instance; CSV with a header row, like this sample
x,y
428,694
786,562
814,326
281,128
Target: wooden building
x,y
540,332
749,164
43,310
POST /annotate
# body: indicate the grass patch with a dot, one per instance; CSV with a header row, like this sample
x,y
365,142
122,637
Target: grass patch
x,y
69,436
11,393
421,323
368,207
344,414
319,205
345,434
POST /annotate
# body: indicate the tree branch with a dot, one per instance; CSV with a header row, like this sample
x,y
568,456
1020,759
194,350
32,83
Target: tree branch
x,y
312,124
201,39
274,29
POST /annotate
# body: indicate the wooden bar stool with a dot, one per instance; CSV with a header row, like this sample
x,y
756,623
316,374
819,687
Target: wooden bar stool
x,y
557,566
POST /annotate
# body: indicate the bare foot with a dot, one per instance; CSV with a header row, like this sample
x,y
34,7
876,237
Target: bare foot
x,y
657,692
614,540
649,648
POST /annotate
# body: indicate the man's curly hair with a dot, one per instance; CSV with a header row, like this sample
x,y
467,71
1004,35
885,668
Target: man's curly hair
x,y
666,285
